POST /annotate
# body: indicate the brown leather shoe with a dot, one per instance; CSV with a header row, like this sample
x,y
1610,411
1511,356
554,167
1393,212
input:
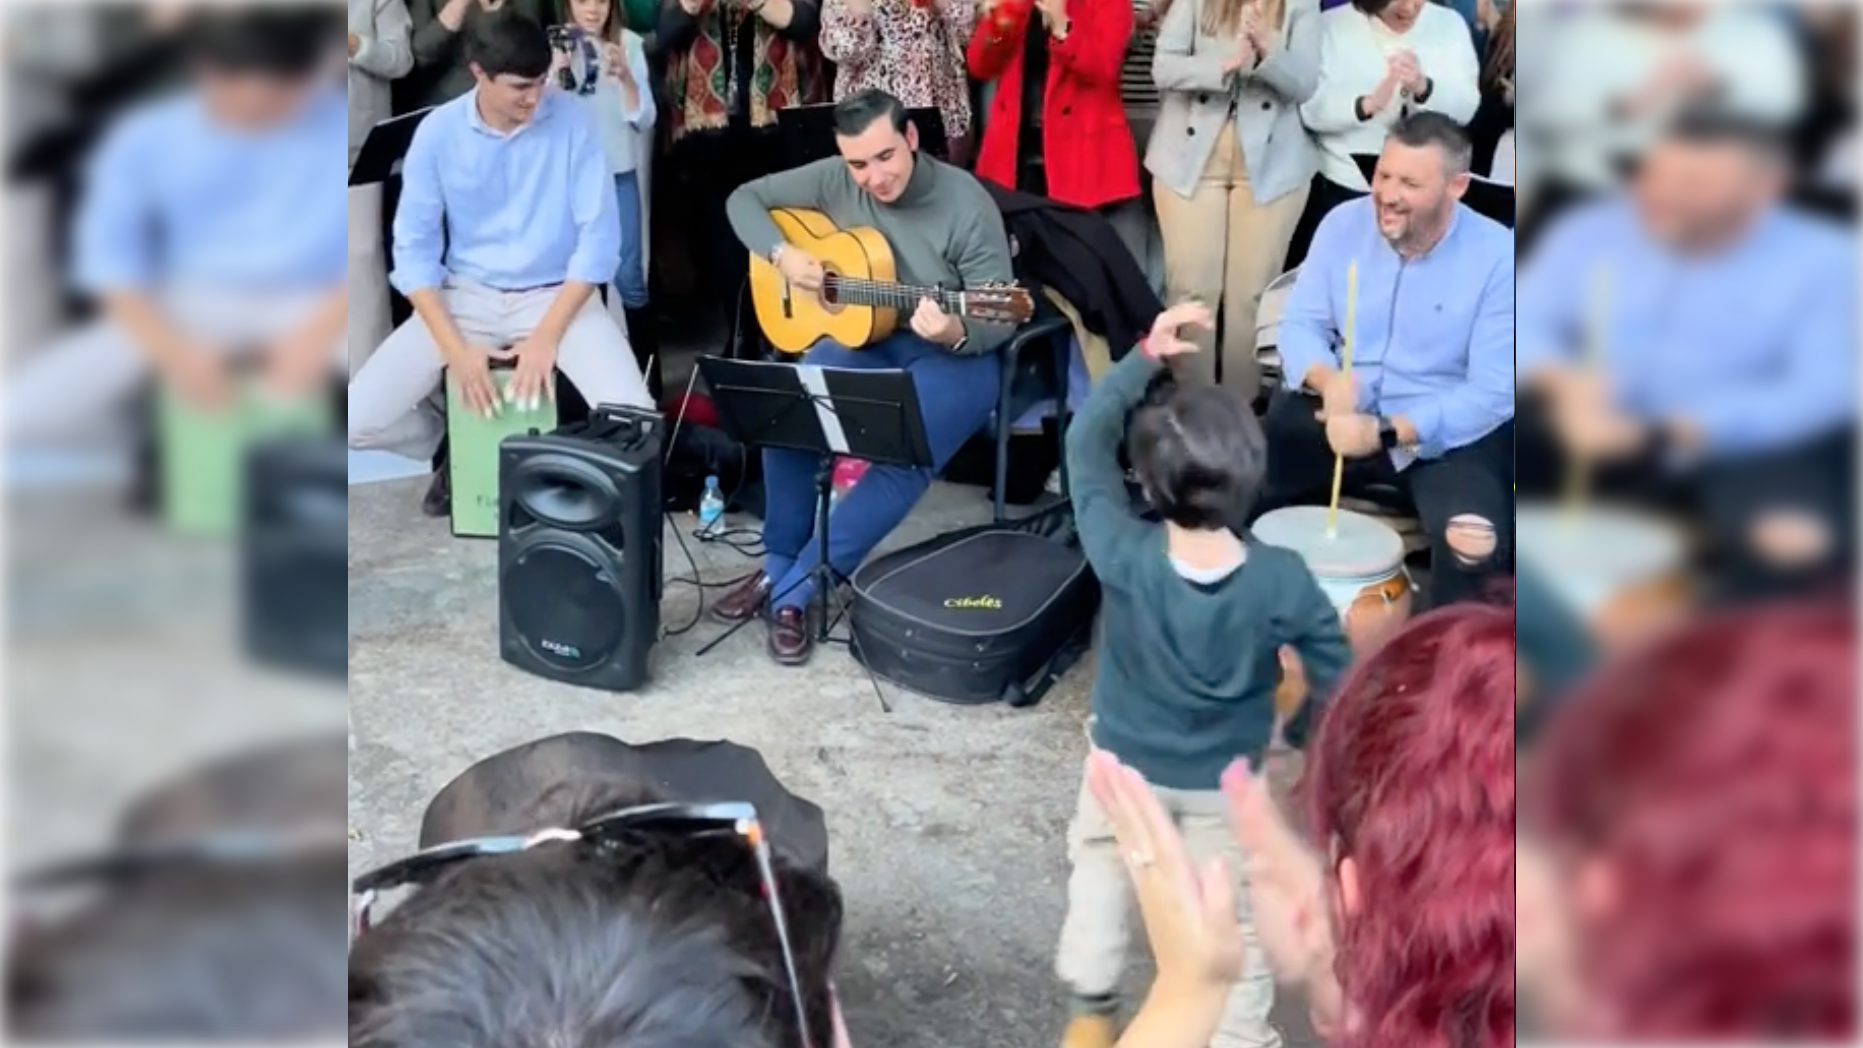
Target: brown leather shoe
x,y
745,602
790,642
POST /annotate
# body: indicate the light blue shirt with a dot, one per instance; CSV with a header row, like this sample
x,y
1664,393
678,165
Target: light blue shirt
x,y
1435,340
1756,346
173,198
530,209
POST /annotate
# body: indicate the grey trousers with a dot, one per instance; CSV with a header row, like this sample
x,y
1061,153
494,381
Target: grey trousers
x,y
391,402
64,393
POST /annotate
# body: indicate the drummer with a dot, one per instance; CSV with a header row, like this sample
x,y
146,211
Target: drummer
x,y
1427,405
1727,330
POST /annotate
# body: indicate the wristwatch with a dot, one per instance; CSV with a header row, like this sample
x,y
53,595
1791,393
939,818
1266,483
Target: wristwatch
x,y
1387,434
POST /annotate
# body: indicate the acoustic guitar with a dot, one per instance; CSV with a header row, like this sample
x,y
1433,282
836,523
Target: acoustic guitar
x,y
861,300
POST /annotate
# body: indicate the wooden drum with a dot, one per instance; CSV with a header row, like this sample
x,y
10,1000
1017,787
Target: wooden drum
x,y
1624,573
1360,567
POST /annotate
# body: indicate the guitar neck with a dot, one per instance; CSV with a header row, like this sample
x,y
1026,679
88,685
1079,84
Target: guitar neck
x,y
901,297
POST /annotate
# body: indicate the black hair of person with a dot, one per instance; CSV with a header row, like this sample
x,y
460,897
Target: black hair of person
x,y
857,112
665,943
244,954
1424,129
1199,453
1713,125
507,43
289,42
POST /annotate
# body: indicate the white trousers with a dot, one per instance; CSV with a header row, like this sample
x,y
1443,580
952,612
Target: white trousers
x,y
369,318
391,403
69,391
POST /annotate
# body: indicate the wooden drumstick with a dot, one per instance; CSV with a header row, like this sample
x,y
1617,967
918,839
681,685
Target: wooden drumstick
x,y
1350,335
1578,472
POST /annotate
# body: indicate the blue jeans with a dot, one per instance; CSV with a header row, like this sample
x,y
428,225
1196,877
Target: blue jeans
x,y
956,397
630,275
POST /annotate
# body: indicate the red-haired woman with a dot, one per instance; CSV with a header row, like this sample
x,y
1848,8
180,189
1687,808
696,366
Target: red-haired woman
x,y
1701,797
1404,935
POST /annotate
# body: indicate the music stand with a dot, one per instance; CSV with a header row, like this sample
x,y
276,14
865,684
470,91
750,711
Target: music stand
x,y
386,144
825,412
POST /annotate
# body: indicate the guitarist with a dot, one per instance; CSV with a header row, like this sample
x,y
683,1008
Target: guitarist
x,y
944,230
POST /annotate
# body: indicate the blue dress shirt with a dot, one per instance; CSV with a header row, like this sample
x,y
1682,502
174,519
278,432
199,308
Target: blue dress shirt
x,y
173,198
1756,346
530,209
1435,340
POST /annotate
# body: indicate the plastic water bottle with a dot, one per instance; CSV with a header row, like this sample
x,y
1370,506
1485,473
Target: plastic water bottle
x,y
711,509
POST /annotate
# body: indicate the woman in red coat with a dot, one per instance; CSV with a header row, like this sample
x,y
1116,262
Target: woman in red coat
x,y
1057,127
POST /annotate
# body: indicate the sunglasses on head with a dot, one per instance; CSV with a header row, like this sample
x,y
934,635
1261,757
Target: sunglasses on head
x,y
732,818
225,848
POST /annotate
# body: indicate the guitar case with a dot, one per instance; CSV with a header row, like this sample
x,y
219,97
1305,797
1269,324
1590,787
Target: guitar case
x,y
989,614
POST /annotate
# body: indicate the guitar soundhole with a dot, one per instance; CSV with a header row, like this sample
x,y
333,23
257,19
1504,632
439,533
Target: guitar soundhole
x,y
831,290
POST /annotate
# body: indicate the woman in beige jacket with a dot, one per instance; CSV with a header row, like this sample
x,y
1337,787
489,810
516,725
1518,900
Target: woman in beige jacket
x,y
1230,162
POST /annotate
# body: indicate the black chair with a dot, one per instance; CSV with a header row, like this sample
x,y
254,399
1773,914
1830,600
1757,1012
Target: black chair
x,y
1034,369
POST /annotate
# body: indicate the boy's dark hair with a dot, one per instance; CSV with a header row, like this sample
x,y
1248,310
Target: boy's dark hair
x,y
246,953
1200,455
857,112
662,943
507,43
288,43
1425,128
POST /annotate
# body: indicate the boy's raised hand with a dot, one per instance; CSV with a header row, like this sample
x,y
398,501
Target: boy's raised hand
x,y
1166,338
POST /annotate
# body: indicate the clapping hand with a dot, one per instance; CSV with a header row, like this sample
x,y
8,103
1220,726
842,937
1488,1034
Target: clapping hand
x,y
1286,885
1244,56
1190,912
1381,96
1260,38
1409,74
1053,16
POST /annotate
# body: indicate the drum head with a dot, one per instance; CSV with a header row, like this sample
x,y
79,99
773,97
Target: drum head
x,y
1360,547
1602,545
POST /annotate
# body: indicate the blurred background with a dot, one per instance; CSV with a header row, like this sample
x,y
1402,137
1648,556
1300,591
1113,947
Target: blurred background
x,y
176,593
157,611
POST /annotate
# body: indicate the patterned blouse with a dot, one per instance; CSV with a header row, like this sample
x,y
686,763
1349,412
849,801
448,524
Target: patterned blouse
x,y
911,49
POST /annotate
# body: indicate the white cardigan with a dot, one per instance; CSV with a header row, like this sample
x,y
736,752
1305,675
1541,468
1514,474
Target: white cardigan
x,y
1595,57
1353,51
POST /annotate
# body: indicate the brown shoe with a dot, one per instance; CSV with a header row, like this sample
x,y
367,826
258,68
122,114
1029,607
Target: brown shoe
x,y
1090,1031
790,642
745,602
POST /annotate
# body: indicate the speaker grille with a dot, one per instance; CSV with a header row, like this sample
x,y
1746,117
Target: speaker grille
x,y
566,607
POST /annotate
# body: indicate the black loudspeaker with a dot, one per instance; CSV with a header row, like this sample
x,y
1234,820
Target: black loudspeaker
x,y
579,550
294,539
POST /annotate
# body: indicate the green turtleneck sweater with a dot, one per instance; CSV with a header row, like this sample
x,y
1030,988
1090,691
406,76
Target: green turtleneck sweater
x,y
944,230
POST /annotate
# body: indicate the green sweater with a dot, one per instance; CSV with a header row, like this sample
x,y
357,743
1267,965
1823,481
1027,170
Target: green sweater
x,y
945,230
1187,672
